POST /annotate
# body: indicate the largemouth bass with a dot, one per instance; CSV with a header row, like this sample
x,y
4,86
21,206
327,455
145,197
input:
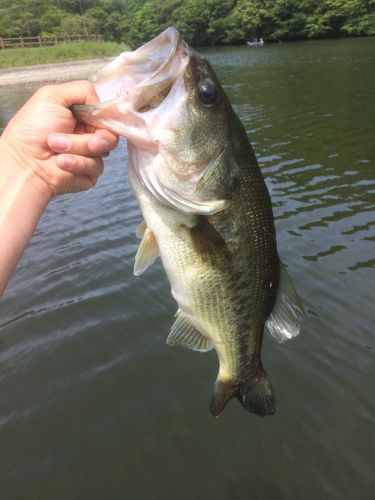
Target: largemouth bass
x,y
207,212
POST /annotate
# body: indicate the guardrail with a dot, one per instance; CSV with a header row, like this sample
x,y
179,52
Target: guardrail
x,y
41,41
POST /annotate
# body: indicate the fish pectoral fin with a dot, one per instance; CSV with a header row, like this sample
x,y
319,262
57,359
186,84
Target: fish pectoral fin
x,y
284,321
184,334
147,252
141,229
209,244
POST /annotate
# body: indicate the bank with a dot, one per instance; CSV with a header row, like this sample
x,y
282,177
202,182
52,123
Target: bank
x,y
51,73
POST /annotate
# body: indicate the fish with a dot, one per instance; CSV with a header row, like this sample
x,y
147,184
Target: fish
x,y
206,211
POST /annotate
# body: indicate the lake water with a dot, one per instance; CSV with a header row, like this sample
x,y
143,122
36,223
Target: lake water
x,y
94,405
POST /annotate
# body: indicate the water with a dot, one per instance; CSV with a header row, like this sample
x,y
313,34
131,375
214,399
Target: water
x,y
94,405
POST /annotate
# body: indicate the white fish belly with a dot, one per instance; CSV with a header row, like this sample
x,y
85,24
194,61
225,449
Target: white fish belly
x,y
199,290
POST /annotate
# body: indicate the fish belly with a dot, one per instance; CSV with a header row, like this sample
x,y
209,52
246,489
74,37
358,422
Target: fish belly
x,y
200,290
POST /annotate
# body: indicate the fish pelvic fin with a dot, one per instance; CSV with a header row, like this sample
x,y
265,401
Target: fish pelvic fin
x,y
147,252
255,394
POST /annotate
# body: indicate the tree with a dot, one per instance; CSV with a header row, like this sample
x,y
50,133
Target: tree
x,y
201,23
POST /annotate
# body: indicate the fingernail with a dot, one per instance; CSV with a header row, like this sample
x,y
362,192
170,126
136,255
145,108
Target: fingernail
x,y
65,162
60,142
101,145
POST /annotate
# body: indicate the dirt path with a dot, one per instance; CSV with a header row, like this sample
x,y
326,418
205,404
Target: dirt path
x,y
50,73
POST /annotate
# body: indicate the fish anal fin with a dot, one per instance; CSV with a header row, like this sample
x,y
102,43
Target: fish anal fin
x,y
147,252
184,334
284,321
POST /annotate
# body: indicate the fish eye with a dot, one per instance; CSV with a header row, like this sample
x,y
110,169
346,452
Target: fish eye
x,y
208,93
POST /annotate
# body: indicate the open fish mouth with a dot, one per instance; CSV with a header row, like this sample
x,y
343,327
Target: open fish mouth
x,y
134,85
143,78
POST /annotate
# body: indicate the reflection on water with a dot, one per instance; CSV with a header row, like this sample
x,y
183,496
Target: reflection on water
x,y
93,404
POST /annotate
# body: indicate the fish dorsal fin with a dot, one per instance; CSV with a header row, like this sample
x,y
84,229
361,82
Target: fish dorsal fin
x,y
148,251
284,322
184,334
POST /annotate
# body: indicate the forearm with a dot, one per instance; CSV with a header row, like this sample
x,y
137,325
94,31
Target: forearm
x,y
45,152
23,198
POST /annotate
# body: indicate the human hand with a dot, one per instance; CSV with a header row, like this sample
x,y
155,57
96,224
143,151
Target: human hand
x,y
44,141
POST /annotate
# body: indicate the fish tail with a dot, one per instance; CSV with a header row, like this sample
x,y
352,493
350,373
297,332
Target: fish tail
x,y
255,394
224,391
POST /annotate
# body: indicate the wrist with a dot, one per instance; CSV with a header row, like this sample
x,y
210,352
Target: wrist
x,y
23,198
19,175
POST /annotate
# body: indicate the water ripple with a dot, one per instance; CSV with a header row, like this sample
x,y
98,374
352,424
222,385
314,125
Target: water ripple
x,y
90,396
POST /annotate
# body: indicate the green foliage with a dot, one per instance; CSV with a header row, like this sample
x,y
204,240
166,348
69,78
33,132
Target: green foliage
x,y
201,22
246,20
74,24
59,53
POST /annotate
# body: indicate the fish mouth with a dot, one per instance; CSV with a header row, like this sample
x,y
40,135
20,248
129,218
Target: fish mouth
x,y
139,89
143,78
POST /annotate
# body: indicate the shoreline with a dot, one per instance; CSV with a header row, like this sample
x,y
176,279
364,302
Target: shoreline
x,y
51,73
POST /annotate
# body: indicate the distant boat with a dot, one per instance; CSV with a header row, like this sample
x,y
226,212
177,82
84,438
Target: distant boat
x,y
256,43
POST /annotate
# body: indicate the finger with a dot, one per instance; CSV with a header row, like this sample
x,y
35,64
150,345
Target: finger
x,y
81,128
76,144
81,165
80,183
68,94
103,141
84,128
78,92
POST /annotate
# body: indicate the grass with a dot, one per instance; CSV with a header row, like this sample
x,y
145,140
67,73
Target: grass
x,y
11,58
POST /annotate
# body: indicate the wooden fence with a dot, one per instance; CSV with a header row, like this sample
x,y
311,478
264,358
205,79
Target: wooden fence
x,y
41,41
